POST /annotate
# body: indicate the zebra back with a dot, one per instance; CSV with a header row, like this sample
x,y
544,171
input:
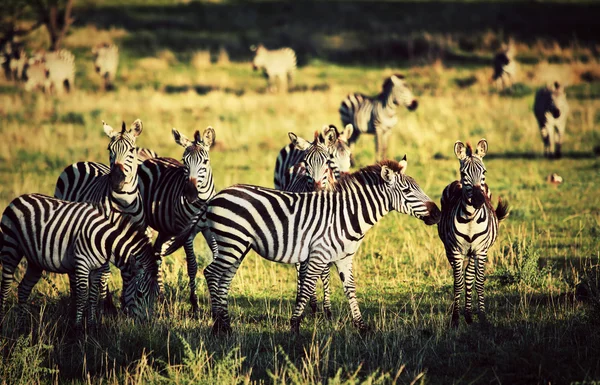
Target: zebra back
x,y
278,62
60,66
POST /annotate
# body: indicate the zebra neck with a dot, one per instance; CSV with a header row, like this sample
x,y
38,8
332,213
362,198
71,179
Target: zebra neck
x,y
467,211
361,208
389,103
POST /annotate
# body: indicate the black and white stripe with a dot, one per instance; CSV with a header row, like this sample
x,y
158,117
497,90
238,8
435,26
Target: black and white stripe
x,y
377,115
551,110
174,193
106,61
469,227
77,239
317,228
278,65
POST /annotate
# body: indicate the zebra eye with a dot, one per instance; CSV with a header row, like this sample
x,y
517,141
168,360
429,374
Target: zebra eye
x,y
205,161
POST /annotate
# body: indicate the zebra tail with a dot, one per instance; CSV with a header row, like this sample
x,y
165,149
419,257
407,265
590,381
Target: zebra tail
x,y
502,209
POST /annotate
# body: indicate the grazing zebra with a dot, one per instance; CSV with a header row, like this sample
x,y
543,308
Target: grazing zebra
x,y
114,187
505,65
106,61
77,239
277,65
174,193
551,110
469,226
59,69
377,115
317,228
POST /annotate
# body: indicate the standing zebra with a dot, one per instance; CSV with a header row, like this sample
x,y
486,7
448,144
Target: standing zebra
x,y
377,115
114,187
174,193
469,226
77,239
317,228
505,65
551,110
106,61
277,65
59,69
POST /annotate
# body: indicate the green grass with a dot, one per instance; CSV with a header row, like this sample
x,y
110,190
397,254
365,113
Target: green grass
x,y
539,331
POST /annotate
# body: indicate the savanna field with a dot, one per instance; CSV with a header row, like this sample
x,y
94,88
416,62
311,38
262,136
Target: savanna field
x,y
188,66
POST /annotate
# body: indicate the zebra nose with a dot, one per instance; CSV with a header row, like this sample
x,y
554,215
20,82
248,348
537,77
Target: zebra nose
x,y
413,105
433,214
191,193
117,176
478,198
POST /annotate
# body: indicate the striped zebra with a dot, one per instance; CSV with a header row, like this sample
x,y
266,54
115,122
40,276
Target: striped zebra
x,y
59,71
144,154
278,65
505,65
551,110
106,61
469,226
317,228
377,115
78,239
115,187
174,193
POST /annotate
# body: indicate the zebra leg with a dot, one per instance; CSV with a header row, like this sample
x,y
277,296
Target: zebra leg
x,y
344,267
301,269
31,278
313,271
546,133
8,276
456,261
480,260
469,278
558,142
326,292
98,291
158,249
381,142
82,277
192,270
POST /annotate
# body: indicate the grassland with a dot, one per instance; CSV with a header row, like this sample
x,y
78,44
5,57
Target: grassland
x,y
540,331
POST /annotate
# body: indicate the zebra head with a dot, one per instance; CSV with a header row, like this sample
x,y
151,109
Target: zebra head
x,y
105,58
123,154
37,77
396,87
472,172
340,149
140,283
260,55
406,195
320,168
198,171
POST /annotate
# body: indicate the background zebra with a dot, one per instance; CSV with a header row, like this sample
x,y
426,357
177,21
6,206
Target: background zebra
x,y
469,226
318,228
144,154
377,115
114,187
551,110
37,77
59,71
278,65
174,193
106,61
505,65
77,239
14,60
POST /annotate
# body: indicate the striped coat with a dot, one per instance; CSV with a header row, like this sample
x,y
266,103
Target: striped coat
x,y
551,110
278,65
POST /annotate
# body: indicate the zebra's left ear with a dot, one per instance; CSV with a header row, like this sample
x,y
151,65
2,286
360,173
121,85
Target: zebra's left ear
x,y
298,142
403,164
347,134
387,174
329,135
460,150
482,148
181,139
136,127
208,137
108,130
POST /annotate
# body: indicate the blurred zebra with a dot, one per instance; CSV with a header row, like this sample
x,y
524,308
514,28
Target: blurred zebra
x,y
115,187
14,60
317,228
469,226
277,65
377,115
505,65
174,193
551,110
106,61
58,67
37,77
77,239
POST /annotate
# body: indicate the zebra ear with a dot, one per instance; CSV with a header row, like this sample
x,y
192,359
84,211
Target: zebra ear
x,y
347,134
460,150
482,148
387,174
108,130
123,127
208,136
136,127
181,139
395,80
403,164
329,135
298,142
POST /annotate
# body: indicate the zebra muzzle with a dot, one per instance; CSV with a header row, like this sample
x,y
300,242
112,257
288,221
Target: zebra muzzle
x,y
413,105
191,192
433,214
117,177
478,198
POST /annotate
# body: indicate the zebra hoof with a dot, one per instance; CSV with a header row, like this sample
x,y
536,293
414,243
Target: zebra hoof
x,y
454,321
221,328
328,314
468,318
295,326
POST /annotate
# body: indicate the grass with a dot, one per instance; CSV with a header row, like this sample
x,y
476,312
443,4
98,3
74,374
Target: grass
x,y
539,331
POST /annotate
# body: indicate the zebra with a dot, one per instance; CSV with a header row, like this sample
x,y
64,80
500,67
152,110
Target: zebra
x,y
505,65
377,115
76,238
58,67
469,226
37,77
115,187
106,61
277,65
551,110
317,228
14,60
174,193
144,154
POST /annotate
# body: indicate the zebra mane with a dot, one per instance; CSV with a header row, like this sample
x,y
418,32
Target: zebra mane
x,y
371,173
389,83
469,149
